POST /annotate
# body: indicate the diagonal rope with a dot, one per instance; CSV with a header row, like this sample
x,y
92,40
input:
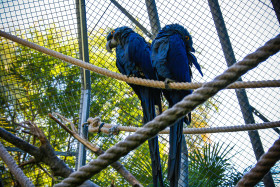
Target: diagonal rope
x,y
132,80
262,167
173,114
15,170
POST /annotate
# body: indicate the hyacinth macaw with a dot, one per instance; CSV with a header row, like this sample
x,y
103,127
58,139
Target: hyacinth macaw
x,y
134,59
172,59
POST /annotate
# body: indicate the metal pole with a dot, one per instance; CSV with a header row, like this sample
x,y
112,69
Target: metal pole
x,y
153,16
125,12
85,77
241,93
276,7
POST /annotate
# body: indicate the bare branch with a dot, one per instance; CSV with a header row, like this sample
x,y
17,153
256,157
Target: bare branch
x,y
94,148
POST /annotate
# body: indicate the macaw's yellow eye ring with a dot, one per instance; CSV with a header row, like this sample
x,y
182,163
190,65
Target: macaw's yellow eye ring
x,y
187,38
112,32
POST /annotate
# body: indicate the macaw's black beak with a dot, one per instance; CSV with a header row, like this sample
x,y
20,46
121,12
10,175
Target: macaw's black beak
x,y
191,49
111,44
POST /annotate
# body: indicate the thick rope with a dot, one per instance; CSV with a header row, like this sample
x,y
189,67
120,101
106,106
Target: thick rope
x,y
263,166
106,128
173,114
133,80
15,170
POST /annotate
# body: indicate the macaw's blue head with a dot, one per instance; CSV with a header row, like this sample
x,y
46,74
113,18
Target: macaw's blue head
x,y
188,41
187,38
117,36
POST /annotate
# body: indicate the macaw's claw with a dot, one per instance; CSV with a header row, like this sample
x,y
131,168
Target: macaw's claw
x,y
131,75
167,81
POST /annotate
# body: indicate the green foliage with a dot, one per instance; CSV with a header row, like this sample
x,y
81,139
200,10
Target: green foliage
x,y
32,85
210,166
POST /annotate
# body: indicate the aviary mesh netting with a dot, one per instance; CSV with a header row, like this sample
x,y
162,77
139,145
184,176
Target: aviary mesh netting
x,y
33,84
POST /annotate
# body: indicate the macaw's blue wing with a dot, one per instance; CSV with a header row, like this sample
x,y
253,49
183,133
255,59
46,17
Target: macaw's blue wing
x,y
125,66
178,63
139,52
160,49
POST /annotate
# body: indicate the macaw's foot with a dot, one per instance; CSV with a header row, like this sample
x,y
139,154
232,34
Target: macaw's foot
x,y
131,75
167,81
187,119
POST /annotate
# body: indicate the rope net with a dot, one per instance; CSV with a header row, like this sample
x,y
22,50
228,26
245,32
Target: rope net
x,y
33,84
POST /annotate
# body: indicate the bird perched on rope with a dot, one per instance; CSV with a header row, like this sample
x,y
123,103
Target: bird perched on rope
x,y
134,59
172,59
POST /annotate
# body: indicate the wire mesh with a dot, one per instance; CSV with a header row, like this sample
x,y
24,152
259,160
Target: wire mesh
x,y
33,84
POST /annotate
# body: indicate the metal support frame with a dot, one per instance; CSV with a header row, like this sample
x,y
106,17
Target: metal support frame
x,y
153,16
125,12
276,7
262,117
241,93
85,80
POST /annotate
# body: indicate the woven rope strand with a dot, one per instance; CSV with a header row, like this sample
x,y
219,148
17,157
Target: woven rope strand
x,y
200,130
171,115
132,80
262,167
15,170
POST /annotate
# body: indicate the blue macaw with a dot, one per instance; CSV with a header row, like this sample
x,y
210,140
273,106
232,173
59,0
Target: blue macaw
x,y
134,59
172,60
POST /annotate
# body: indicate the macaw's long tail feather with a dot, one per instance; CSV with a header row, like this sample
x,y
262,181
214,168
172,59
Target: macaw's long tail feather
x,y
174,161
158,98
187,119
148,104
175,137
156,166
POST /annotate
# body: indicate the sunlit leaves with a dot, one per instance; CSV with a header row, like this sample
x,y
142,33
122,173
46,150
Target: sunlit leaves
x,y
210,166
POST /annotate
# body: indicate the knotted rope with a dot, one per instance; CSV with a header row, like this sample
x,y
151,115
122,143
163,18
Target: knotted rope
x,y
94,126
173,114
133,80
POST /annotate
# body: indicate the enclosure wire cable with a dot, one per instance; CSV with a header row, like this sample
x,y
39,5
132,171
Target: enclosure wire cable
x,y
200,130
14,169
173,114
133,80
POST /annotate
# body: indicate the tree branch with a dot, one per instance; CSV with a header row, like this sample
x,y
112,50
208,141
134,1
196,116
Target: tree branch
x,y
94,148
45,153
23,145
